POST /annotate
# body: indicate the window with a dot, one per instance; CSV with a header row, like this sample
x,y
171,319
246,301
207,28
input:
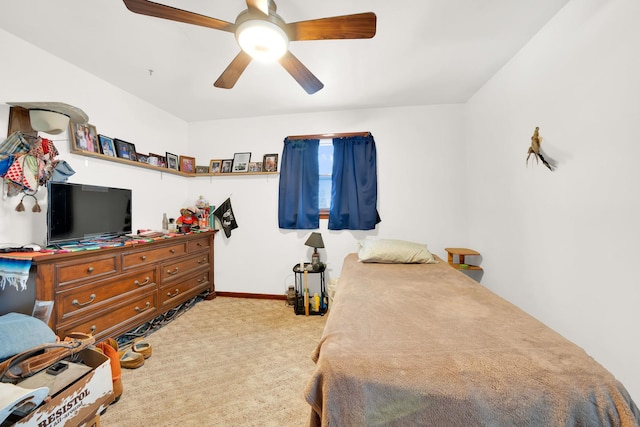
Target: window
x,y
325,165
335,179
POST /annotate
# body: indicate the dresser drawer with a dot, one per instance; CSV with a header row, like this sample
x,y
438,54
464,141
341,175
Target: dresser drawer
x,y
71,272
85,299
142,257
103,324
199,244
182,290
175,270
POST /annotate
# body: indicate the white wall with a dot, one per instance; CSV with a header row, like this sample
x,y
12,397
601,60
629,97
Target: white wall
x,y
419,198
31,74
562,244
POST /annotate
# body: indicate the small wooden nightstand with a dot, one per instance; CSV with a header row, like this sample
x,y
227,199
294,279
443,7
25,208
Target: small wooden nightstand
x,y
461,253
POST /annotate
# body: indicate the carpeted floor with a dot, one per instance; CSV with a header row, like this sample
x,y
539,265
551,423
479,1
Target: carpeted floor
x,y
225,362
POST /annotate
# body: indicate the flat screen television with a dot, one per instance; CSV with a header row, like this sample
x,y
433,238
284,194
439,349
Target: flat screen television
x,y
78,212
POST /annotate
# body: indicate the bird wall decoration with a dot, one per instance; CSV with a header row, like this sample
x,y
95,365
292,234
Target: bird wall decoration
x,y
534,149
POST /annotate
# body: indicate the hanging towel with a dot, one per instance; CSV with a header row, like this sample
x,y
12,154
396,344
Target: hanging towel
x,y
227,219
14,272
14,144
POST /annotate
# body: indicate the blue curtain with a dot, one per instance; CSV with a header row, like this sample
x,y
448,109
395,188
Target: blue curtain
x,y
299,182
354,191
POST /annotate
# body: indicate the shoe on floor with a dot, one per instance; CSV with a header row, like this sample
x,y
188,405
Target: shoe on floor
x,y
129,359
142,346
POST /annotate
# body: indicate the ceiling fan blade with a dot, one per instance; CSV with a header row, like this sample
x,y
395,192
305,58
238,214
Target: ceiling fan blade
x,y
300,73
358,26
261,5
230,76
149,8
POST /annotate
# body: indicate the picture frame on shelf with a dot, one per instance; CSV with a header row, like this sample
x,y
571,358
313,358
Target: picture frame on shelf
x,y
125,150
202,169
172,161
157,160
255,166
270,163
241,162
226,166
106,146
84,137
143,158
187,164
215,166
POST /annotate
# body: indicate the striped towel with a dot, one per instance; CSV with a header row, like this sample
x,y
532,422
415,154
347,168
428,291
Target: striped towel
x,y
14,272
15,143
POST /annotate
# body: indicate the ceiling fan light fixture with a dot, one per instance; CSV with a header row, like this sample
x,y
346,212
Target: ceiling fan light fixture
x,y
262,40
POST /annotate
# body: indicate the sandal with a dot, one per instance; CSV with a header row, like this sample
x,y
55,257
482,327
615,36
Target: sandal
x,y
130,359
142,346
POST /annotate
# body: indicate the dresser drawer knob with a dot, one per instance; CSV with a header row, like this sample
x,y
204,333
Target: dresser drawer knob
x,y
202,261
146,281
173,251
172,272
146,307
93,329
202,279
175,294
90,270
199,244
81,304
143,257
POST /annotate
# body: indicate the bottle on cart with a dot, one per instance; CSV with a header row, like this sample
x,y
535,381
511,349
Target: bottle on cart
x,y
316,302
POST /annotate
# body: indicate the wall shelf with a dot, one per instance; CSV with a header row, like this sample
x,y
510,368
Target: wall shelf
x,y
161,169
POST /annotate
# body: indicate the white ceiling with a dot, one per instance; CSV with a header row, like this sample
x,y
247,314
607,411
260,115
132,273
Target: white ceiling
x,y
424,52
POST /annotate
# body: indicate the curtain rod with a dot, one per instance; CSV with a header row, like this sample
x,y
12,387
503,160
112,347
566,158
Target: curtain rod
x,y
329,135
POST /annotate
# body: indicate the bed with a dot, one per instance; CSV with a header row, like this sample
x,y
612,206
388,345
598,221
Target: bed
x,y
423,344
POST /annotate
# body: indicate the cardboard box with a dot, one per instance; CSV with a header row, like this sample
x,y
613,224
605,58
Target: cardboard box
x,y
81,402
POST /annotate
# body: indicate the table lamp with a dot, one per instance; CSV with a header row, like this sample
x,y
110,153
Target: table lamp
x,y
315,241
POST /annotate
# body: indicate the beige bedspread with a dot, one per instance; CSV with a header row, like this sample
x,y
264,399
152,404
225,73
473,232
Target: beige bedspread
x,y
423,344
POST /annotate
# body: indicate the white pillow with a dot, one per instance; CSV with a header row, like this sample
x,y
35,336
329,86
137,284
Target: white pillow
x,y
394,252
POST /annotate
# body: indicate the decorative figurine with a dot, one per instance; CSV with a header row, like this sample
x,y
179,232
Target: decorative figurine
x,y
534,149
188,219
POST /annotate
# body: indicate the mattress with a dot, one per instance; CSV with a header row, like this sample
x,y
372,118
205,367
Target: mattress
x,y
423,344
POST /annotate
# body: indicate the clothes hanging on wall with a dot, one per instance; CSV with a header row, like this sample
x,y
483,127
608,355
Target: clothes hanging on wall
x,y
27,165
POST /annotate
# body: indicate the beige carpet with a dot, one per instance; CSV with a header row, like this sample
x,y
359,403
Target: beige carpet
x,y
225,362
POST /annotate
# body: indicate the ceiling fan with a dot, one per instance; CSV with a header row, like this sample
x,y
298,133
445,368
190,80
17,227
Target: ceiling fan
x,y
263,34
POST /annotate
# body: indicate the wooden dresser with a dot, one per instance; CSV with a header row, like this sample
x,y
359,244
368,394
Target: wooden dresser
x,y
110,291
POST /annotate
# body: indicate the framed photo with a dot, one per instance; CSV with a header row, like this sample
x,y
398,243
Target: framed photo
x,y
241,162
157,160
226,166
202,169
125,150
187,164
106,146
142,158
255,166
270,163
84,137
172,161
215,166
